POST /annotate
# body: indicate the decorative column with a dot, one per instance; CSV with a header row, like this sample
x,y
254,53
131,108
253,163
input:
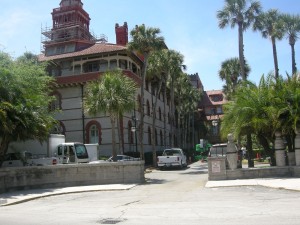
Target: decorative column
x,y
231,154
297,146
279,150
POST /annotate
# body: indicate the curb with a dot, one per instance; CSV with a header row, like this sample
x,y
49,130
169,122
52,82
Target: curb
x,y
15,198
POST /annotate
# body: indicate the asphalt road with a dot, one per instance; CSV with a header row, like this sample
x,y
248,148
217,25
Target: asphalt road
x,y
169,197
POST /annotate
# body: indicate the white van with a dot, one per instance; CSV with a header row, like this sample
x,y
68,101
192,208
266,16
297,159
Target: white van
x,y
71,153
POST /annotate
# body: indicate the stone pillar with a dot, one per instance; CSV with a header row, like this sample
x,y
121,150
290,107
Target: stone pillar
x,y
216,168
279,150
231,154
297,147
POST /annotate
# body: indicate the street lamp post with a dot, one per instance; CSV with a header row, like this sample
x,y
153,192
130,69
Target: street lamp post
x,y
134,129
215,133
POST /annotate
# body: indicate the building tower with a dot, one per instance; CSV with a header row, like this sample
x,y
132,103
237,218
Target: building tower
x,y
70,30
121,34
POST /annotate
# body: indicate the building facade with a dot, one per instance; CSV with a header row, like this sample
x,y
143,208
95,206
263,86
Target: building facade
x,y
212,113
75,57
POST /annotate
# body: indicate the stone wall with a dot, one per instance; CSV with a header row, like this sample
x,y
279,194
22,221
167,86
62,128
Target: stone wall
x,y
22,178
217,171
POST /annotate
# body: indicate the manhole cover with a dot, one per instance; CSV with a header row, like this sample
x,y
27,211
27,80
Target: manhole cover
x,y
111,221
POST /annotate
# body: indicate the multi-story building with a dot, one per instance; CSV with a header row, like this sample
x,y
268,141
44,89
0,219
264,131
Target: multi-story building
x,y
76,57
212,111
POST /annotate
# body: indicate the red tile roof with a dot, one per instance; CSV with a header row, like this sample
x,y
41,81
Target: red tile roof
x,y
95,49
207,101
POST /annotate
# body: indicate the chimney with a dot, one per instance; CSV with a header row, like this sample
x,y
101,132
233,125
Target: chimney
x,y
121,34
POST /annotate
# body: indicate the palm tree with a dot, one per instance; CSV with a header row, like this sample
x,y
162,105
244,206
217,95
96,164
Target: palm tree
x,y
257,110
158,75
170,63
291,25
230,72
113,93
289,108
271,26
144,41
175,70
241,13
187,99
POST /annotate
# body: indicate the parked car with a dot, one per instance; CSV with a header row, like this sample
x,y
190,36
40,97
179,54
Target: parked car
x,y
26,158
173,157
123,158
220,150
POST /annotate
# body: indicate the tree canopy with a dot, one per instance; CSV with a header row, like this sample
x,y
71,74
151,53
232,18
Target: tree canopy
x,y
24,101
263,109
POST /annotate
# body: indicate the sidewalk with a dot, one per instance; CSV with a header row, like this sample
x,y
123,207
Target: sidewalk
x,y
280,183
17,197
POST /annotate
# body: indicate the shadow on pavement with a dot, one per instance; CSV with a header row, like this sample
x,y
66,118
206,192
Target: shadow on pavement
x,y
149,181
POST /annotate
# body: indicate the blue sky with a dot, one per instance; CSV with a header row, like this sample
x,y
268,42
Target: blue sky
x,y
190,27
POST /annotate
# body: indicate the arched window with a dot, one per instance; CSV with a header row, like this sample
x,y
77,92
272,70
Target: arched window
x,y
153,89
159,113
148,108
161,138
147,85
139,103
130,133
93,133
155,138
149,136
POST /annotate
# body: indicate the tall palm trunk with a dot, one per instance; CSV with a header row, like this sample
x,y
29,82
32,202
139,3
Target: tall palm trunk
x,y
265,143
250,151
153,123
241,51
275,57
3,148
165,115
120,136
292,44
172,115
141,126
113,137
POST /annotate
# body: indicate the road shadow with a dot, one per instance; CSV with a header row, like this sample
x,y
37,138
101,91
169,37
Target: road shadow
x,y
196,170
149,181
173,168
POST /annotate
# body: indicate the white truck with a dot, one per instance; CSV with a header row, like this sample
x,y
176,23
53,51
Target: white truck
x,y
71,153
64,153
27,159
173,157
